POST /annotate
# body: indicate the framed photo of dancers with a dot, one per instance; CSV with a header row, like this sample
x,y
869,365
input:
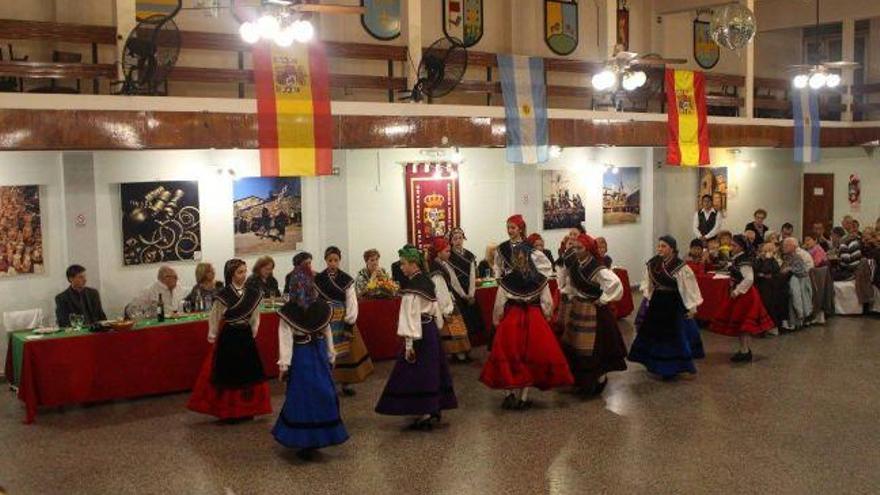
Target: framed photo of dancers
x,y
432,205
621,195
161,222
267,212
563,208
713,181
21,231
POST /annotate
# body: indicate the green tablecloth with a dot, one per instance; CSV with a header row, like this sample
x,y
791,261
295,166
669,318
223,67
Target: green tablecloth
x,y
18,339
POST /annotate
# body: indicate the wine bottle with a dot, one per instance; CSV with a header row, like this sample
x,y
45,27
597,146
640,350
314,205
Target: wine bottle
x,y
160,310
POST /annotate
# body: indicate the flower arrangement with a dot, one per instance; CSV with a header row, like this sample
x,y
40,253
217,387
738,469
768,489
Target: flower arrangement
x,y
381,288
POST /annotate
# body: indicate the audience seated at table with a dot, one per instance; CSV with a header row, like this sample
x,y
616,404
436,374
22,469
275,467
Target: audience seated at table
x,y
166,286
758,226
820,258
820,236
697,257
372,271
797,263
201,297
78,299
849,252
484,268
261,277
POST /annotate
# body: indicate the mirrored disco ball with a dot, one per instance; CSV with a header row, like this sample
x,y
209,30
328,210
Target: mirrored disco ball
x,y
733,26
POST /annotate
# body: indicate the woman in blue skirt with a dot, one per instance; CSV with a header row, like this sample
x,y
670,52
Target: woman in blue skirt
x,y
420,384
668,339
310,418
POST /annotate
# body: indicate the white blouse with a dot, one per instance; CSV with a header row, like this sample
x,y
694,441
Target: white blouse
x,y
215,318
455,284
351,305
409,323
687,287
562,279
748,279
285,344
444,298
612,288
503,296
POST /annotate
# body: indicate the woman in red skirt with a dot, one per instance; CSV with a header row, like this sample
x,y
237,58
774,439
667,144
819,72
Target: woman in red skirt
x,y
525,352
743,314
231,385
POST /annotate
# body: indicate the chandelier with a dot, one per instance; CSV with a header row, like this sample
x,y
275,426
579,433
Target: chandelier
x,y
279,23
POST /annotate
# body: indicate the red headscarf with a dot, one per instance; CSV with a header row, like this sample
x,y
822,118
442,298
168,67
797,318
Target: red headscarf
x,y
518,221
534,237
589,244
438,244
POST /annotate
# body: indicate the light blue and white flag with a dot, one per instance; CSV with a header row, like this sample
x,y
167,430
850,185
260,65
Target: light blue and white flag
x,y
805,109
525,108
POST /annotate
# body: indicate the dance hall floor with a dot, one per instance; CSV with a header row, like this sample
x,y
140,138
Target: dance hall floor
x,y
804,418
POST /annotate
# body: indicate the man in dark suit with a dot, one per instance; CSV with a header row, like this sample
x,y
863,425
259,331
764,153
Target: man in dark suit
x,y
78,299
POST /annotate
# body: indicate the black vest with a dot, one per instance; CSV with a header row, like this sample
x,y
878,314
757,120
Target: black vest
x,y
581,275
662,274
706,224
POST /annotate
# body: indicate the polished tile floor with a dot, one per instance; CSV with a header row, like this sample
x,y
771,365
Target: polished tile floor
x,y
803,418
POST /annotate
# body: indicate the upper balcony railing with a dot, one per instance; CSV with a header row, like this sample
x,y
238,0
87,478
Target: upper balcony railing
x,y
383,70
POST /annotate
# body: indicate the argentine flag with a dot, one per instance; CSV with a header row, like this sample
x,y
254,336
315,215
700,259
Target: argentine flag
x,y
805,109
525,108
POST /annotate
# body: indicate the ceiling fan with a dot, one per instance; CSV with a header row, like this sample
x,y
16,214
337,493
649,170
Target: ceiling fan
x,y
819,75
624,64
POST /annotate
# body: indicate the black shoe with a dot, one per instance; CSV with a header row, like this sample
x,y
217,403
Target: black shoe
x,y
435,418
742,357
523,405
307,455
421,425
348,392
509,402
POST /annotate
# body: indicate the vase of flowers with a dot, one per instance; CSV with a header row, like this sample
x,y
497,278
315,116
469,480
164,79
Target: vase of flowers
x,y
381,288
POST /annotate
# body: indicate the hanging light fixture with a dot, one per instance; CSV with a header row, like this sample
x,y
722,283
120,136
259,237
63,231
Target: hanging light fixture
x,y
607,79
279,25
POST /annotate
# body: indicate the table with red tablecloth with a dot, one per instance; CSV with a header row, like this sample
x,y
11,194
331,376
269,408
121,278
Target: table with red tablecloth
x,y
716,292
99,367
377,322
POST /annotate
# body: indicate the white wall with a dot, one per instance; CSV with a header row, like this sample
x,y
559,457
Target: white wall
x,y
38,290
842,163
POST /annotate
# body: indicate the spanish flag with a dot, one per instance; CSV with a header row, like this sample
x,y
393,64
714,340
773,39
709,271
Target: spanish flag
x,y
687,129
293,110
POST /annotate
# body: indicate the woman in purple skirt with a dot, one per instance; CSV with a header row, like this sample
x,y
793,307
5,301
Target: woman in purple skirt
x,y
420,384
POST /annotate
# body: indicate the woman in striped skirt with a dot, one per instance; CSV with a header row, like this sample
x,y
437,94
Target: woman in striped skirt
x,y
353,363
453,333
591,341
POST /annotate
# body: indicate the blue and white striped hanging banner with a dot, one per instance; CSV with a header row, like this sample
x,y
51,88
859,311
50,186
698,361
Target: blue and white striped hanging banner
x,y
525,108
805,109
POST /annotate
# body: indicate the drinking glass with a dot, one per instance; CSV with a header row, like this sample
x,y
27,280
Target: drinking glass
x,y
77,321
186,306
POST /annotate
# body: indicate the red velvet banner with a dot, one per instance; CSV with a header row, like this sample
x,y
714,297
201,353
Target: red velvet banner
x,y
431,201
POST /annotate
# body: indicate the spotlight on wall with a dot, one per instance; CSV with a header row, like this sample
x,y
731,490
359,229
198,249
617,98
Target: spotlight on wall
x,y
555,151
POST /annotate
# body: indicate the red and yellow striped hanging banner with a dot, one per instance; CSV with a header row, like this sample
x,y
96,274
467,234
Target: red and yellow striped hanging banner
x,y
687,126
293,110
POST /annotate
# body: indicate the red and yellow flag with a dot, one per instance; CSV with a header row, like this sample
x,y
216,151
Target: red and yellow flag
x,y
687,128
293,110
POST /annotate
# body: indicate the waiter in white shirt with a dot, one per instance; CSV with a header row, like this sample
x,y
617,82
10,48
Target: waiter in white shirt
x,y
166,285
707,221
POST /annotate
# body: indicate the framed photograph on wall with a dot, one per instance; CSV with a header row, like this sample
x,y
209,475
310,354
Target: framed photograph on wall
x,y
562,207
713,181
621,195
161,222
21,231
267,213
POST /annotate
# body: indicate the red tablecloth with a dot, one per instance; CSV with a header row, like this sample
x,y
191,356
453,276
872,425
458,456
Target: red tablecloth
x,y
120,365
625,306
715,292
377,322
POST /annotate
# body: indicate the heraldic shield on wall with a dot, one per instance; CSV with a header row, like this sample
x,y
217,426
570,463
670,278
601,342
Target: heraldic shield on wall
x,y
707,53
561,25
381,18
463,20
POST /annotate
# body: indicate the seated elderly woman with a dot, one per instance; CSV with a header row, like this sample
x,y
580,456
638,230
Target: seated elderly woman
x,y
484,269
372,271
797,263
201,297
